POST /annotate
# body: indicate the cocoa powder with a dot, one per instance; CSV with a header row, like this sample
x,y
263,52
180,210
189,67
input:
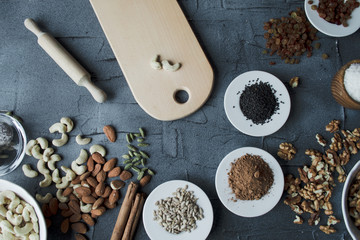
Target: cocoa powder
x,y
250,177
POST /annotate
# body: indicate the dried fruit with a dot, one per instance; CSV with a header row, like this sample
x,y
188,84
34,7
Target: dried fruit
x,y
110,133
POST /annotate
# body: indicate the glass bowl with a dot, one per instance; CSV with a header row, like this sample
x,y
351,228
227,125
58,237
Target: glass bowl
x,y
12,143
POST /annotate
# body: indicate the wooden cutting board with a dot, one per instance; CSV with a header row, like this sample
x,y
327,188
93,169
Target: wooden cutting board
x,y
137,30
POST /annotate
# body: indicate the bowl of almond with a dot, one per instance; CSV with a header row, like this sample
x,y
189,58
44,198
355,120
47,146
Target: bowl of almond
x,y
350,202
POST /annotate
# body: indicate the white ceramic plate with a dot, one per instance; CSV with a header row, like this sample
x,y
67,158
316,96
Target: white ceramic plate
x,y
155,231
249,208
330,29
22,193
353,230
237,118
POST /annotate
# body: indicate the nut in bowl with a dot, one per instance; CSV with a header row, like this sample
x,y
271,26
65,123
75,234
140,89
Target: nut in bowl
x,y
339,86
349,204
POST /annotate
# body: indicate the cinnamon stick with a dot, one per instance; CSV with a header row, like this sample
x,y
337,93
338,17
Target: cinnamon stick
x,y
129,224
124,212
138,215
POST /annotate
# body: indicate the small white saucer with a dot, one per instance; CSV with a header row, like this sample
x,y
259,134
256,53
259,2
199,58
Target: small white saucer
x,y
249,208
156,232
237,118
331,29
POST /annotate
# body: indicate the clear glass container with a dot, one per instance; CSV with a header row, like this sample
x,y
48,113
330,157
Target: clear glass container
x,y
12,144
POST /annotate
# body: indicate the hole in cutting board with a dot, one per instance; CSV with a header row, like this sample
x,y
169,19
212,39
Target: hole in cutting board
x,y
181,96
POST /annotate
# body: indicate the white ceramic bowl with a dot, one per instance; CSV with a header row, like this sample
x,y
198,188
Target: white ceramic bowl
x,y
23,194
352,229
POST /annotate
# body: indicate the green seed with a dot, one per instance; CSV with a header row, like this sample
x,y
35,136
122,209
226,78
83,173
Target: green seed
x,y
144,154
137,154
137,163
136,159
143,161
128,138
125,156
128,166
137,134
143,145
151,172
142,132
132,136
140,140
144,169
127,161
136,169
140,176
131,154
132,148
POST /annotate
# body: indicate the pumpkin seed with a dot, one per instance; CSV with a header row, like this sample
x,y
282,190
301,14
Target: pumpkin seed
x,y
151,172
142,132
144,154
131,147
128,138
125,156
140,176
140,140
128,166
143,145
135,169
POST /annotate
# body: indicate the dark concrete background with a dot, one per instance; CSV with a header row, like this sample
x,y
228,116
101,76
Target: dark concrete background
x,y
230,33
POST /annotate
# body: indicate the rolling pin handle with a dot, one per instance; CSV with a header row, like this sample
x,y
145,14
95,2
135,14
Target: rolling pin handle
x,y
33,27
98,94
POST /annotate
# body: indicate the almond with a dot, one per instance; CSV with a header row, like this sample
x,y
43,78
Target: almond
x,y
83,191
66,213
92,181
107,192
73,197
90,164
79,236
145,180
88,199
47,222
96,170
76,180
114,196
67,191
114,172
117,184
101,176
110,133
88,219
109,165
53,206
63,206
74,206
100,188
64,226
125,175
85,176
84,183
108,205
79,227
75,218
98,203
98,158
99,211
46,210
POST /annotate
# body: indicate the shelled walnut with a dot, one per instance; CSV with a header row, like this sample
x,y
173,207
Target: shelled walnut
x,y
286,151
320,139
327,229
333,126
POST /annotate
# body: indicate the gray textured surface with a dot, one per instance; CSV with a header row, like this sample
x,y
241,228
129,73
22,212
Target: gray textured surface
x,y
230,32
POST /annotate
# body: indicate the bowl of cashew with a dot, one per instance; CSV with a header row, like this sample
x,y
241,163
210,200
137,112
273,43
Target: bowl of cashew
x,y
20,215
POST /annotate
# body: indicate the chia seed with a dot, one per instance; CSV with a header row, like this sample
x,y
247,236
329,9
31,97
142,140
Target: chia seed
x,y
258,102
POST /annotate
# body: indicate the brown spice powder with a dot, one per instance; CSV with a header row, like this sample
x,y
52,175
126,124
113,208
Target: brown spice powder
x,y
250,177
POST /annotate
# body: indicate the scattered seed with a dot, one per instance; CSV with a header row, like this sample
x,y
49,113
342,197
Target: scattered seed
x,y
128,138
135,169
142,132
143,162
140,140
131,154
132,148
125,156
127,161
132,136
137,154
128,166
144,169
135,159
144,154
151,172
143,145
139,177
137,134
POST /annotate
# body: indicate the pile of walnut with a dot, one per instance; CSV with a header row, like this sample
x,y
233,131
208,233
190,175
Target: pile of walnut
x,y
312,191
354,201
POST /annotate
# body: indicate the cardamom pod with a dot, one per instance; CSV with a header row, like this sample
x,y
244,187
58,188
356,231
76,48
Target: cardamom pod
x,y
136,163
128,139
131,154
140,140
137,154
135,169
142,132
151,172
125,156
132,136
127,161
143,162
140,176
137,134
128,166
131,147
144,169
136,159
144,154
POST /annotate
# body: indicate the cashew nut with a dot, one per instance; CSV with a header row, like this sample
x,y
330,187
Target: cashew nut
x,y
19,209
53,159
85,208
26,214
34,236
68,123
32,212
44,199
61,197
7,236
47,181
35,227
98,148
30,173
58,127
82,141
22,231
70,175
78,169
42,168
6,226
7,196
35,152
154,63
47,153
83,156
63,184
14,219
42,142
168,67
56,176
62,141
3,210
29,147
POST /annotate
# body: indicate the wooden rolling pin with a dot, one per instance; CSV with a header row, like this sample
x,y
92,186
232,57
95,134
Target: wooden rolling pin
x,y
67,62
